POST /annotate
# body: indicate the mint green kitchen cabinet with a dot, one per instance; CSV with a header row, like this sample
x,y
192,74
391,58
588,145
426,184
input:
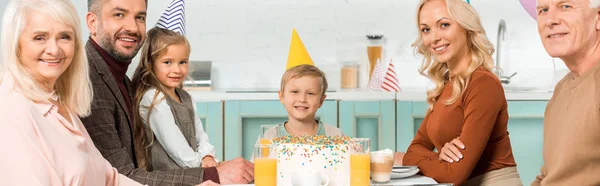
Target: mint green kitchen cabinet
x,y
233,126
243,120
526,131
211,115
409,115
525,127
370,119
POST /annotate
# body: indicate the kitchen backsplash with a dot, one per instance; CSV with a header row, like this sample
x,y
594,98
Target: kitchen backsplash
x,y
248,40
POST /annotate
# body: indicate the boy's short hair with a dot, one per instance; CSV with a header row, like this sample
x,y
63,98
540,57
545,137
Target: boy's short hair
x,y
301,71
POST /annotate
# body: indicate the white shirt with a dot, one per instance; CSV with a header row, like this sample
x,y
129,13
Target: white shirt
x,y
170,136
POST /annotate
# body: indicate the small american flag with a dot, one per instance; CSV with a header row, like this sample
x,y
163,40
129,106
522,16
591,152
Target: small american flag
x,y
173,18
390,81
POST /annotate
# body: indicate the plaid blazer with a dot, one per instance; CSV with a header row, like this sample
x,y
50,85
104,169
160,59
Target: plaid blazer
x,y
111,130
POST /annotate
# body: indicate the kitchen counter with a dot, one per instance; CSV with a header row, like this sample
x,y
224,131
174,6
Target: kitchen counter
x,y
510,96
351,95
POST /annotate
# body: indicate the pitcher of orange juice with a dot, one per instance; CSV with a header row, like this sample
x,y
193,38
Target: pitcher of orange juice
x,y
265,165
360,162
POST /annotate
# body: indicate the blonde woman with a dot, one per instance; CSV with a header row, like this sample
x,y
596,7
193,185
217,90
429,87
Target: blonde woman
x,y
44,87
467,117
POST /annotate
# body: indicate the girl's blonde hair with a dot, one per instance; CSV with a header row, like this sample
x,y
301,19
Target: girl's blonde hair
x,y
144,79
73,86
480,47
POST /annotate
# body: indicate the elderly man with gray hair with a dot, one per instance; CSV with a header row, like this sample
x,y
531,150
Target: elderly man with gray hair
x,y
570,30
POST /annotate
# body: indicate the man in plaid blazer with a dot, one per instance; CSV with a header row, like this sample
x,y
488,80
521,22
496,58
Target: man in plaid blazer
x,y
117,31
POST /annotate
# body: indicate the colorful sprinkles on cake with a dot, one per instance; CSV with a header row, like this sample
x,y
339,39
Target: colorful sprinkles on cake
x,y
329,141
310,147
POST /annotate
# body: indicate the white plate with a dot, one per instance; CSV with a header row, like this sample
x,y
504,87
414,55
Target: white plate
x,y
400,169
403,172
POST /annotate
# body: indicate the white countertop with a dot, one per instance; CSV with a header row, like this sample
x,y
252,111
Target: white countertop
x,y
351,95
510,96
416,179
217,95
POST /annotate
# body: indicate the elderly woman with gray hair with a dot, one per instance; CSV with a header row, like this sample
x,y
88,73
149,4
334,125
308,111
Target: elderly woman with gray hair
x,y
44,87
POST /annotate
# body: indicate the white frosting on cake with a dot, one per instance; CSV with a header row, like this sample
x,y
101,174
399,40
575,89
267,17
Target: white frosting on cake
x,y
332,161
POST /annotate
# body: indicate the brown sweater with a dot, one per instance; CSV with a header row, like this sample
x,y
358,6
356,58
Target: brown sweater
x,y
479,117
572,132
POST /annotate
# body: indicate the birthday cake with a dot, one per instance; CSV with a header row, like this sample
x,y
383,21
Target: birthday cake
x,y
327,155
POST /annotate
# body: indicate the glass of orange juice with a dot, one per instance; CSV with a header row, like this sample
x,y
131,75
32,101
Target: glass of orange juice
x,y
360,162
265,165
264,138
